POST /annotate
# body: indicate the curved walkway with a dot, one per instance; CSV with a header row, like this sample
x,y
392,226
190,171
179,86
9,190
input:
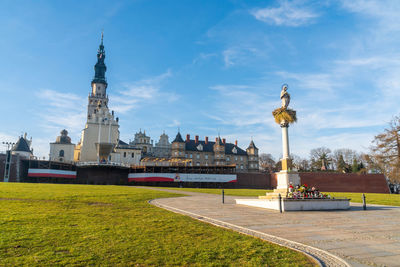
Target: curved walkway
x,y
361,238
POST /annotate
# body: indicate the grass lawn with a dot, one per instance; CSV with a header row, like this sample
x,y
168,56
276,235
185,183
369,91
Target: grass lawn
x,y
50,224
371,198
228,192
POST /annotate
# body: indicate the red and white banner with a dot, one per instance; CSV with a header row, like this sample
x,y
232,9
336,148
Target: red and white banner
x,y
51,173
182,177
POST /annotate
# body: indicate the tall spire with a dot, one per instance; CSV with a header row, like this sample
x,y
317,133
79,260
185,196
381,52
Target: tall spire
x,y
100,68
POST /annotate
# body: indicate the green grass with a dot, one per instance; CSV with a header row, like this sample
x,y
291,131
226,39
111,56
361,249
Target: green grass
x,y
228,192
48,224
371,198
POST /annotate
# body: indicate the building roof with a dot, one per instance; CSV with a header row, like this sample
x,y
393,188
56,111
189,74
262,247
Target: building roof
x,y
252,145
209,147
122,143
178,138
21,145
63,138
100,68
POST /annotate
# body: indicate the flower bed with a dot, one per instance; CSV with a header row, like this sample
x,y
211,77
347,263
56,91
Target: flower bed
x,y
305,192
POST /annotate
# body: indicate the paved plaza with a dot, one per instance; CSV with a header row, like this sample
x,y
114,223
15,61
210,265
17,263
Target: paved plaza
x,y
361,238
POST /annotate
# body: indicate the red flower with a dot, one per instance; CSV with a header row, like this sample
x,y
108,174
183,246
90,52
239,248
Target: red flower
x,y
305,185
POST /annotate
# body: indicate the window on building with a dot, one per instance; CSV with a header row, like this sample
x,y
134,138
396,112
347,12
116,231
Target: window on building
x,y
61,154
133,155
235,158
191,156
206,156
228,159
197,163
241,158
241,167
185,155
124,154
198,156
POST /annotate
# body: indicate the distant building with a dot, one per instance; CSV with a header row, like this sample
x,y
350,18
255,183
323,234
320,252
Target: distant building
x,y
143,142
163,147
100,138
22,148
62,149
195,152
127,154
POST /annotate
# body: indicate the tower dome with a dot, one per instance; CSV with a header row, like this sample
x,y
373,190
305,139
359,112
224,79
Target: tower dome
x,y
63,138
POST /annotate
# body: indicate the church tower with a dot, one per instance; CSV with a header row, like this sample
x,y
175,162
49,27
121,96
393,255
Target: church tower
x,y
101,133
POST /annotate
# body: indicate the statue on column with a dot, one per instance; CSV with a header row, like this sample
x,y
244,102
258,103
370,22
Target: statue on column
x,y
284,115
285,96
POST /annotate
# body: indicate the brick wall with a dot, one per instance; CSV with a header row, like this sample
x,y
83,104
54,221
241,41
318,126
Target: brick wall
x,y
253,180
346,182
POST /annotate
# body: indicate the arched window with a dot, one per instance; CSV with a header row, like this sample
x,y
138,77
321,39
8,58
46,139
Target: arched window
x,y
61,154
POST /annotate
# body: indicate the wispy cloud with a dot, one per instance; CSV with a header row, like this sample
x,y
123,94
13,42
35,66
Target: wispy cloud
x,y
145,91
203,57
385,11
241,105
289,13
61,110
238,55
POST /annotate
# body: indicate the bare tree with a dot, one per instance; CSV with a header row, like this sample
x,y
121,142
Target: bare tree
x,y
301,164
386,150
267,162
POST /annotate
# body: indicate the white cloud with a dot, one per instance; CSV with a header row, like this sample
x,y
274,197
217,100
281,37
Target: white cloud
x,y
289,13
385,11
238,55
203,57
62,110
142,92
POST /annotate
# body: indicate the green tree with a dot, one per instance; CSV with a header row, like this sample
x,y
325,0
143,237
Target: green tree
x,y
355,166
341,165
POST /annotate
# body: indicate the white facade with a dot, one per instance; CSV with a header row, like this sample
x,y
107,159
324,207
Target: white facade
x,y
62,152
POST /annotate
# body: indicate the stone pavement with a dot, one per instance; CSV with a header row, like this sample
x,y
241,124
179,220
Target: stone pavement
x,y
361,238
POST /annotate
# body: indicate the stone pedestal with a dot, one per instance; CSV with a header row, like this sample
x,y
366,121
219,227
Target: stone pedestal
x,y
288,204
285,178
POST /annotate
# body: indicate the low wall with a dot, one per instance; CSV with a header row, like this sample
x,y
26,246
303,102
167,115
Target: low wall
x,y
346,182
102,175
254,180
342,182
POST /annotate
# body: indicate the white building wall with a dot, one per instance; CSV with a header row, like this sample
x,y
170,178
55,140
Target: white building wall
x,y
55,149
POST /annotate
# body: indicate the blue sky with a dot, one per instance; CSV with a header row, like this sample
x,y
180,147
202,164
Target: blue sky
x,y
207,67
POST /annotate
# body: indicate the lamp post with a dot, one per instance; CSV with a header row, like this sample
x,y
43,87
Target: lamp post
x,y
7,166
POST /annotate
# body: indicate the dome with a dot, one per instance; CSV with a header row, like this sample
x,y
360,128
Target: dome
x,y
63,138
